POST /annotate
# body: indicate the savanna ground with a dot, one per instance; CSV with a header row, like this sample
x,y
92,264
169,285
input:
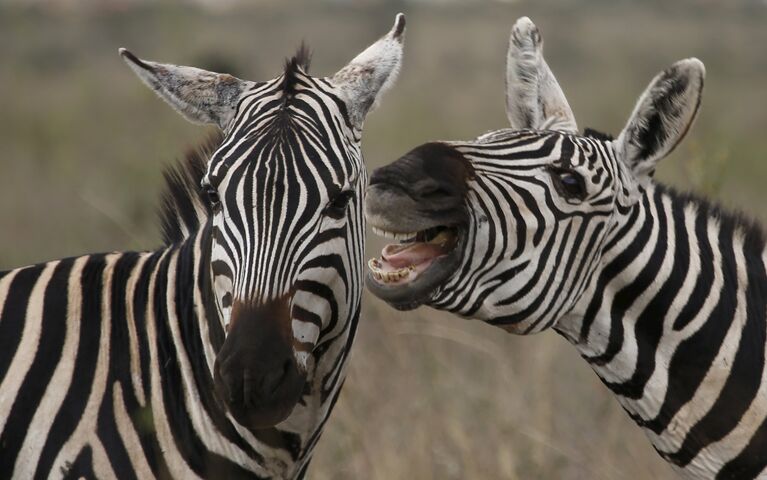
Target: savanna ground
x,y
428,396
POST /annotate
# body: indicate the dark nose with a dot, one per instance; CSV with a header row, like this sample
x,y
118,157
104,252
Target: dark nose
x,y
256,374
424,188
432,172
245,381
272,378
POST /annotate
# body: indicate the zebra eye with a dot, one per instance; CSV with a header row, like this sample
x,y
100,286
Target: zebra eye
x,y
337,206
212,195
569,183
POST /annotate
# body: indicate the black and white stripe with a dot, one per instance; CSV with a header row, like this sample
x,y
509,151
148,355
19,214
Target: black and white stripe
x,y
665,298
110,363
663,294
500,240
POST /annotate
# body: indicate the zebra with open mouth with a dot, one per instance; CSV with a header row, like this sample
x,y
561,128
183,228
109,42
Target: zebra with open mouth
x,y
538,227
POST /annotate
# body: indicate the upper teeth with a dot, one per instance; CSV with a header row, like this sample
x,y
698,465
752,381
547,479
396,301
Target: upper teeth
x,y
395,235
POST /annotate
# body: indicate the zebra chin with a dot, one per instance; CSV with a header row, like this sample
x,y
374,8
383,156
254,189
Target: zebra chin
x,y
256,374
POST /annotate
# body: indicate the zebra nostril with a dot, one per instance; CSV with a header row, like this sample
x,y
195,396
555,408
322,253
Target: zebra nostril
x,y
273,378
435,193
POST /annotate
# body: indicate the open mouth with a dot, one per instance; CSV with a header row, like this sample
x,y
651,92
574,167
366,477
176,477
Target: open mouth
x,y
408,272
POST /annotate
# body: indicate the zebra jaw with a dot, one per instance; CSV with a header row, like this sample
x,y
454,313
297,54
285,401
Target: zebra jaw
x,y
413,255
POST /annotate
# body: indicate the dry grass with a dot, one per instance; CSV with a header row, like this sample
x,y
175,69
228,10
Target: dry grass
x,y
428,396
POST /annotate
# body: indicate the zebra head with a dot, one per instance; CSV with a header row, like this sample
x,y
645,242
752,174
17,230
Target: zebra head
x,y
510,228
284,192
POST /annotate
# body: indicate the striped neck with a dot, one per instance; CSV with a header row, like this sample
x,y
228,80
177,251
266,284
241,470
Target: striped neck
x,y
674,324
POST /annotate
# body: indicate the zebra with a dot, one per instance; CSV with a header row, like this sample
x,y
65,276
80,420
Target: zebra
x,y
221,354
664,294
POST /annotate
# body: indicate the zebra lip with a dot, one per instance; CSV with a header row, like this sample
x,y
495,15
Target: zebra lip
x,y
404,262
407,274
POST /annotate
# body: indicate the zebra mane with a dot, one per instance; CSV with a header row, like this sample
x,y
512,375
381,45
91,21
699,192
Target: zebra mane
x,y
184,207
730,220
301,60
591,133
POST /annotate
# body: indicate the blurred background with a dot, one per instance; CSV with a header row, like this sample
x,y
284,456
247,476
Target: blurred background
x,y
428,396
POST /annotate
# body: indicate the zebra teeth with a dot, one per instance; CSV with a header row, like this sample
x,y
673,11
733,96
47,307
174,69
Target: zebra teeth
x,y
388,277
395,235
374,265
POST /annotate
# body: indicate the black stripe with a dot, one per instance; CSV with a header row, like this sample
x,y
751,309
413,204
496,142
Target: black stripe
x,y
47,356
613,269
85,362
694,356
80,467
119,367
751,461
141,417
13,315
649,324
745,375
705,277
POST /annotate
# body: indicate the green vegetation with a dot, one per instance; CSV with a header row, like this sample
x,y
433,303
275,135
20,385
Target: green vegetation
x,y
428,395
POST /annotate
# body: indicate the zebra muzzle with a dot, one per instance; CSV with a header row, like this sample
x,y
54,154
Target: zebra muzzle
x,y
256,375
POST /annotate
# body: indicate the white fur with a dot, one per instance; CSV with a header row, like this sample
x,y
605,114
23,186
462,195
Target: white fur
x,y
362,82
534,98
199,95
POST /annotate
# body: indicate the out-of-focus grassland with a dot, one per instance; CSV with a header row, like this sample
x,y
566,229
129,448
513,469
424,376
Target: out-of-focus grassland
x,y
82,145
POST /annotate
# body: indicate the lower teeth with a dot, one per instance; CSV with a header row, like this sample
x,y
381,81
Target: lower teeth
x,y
387,277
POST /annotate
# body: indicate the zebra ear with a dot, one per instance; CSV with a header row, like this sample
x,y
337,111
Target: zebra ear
x,y
200,96
534,99
371,73
661,117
